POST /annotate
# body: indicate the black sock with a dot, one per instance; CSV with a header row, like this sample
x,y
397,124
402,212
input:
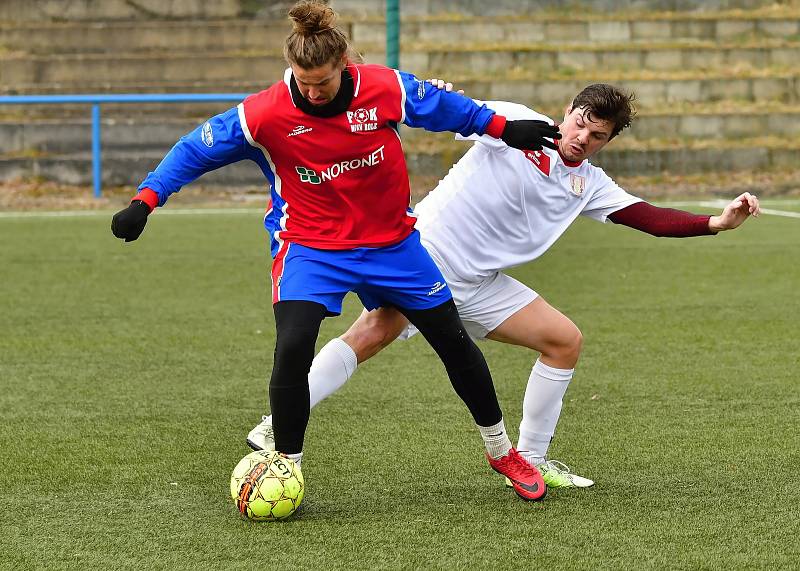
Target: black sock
x,y
297,327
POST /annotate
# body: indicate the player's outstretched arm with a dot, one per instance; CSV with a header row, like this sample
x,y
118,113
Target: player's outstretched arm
x,y
735,213
672,223
442,110
217,142
531,136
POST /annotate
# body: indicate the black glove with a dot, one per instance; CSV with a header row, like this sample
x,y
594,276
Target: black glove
x,y
530,135
129,222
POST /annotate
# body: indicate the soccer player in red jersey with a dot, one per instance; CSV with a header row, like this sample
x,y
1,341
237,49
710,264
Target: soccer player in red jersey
x,y
326,140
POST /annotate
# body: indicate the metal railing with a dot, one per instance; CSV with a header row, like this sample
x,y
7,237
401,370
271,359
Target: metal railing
x,y
96,100
392,60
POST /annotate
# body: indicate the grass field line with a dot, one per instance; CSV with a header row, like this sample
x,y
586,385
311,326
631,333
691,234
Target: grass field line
x,y
723,203
202,211
167,212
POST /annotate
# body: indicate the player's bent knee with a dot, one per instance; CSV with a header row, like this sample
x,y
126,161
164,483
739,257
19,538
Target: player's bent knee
x,y
296,344
562,351
373,331
570,349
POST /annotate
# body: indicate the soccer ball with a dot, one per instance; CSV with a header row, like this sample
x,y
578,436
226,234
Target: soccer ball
x,y
266,486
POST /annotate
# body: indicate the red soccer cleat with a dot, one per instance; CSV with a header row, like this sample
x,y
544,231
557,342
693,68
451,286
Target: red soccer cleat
x,y
525,478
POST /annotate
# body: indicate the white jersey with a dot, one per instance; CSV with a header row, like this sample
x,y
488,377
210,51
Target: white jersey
x,y
500,207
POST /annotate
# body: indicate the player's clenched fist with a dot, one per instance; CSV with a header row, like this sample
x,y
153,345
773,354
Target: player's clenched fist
x,y
129,222
530,134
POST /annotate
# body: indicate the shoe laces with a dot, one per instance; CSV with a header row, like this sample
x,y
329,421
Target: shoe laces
x,y
265,428
557,466
515,459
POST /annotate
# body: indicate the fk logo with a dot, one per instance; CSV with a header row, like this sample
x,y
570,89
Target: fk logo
x,y
308,175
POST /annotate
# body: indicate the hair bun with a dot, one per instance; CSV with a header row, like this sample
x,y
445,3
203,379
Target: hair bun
x,y
311,17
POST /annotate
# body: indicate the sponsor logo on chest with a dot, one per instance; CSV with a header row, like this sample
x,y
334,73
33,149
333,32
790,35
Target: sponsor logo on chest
x,y
577,184
540,159
334,171
362,120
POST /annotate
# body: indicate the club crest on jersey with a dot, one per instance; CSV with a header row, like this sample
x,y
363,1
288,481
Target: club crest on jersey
x,y
362,120
577,184
540,159
207,135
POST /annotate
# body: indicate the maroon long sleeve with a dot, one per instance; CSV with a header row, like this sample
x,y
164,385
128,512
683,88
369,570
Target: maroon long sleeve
x,y
663,222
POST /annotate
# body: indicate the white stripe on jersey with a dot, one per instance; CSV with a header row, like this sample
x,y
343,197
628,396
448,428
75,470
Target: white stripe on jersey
x,y
287,79
278,184
358,82
402,98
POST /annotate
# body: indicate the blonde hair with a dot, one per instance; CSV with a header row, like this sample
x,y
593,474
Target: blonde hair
x,y
315,40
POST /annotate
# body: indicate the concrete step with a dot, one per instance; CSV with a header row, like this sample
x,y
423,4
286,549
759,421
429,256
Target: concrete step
x,y
578,58
101,69
85,10
743,155
572,28
109,37
599,9
49,10
122,169
137,134
212,36
539,90
422,60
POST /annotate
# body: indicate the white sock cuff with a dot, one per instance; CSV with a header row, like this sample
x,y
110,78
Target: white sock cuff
x,y
551,373
499,428
496,439
346,353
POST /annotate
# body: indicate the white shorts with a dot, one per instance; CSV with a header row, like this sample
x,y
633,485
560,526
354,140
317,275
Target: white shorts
x,y
483,305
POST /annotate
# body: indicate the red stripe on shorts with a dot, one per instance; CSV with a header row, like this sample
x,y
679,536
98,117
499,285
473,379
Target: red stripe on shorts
x,y
277,272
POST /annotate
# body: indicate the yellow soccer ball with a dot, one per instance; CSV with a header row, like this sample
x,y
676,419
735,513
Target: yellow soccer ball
x,y
265,486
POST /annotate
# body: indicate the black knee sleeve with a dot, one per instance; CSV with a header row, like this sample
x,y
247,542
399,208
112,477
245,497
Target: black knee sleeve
x,y
466,367
297,327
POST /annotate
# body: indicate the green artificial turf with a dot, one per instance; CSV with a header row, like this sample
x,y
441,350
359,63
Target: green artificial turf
x,y
131,373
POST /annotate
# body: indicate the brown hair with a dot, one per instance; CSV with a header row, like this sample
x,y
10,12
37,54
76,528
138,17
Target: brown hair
x,y
314,41
606,102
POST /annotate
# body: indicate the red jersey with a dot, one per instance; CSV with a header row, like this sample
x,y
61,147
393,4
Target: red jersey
x,y
340,182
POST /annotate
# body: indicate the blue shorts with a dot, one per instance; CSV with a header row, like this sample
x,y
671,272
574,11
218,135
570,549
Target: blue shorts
x,y
402,275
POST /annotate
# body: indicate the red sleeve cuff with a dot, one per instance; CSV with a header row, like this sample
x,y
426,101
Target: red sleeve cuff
x,y
496,126
148,196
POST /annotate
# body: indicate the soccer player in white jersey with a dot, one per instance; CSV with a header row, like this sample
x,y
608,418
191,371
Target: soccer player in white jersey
x,y
500,207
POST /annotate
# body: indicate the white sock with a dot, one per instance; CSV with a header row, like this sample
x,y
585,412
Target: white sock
x,y
296,458
334,364
497,442
541,409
